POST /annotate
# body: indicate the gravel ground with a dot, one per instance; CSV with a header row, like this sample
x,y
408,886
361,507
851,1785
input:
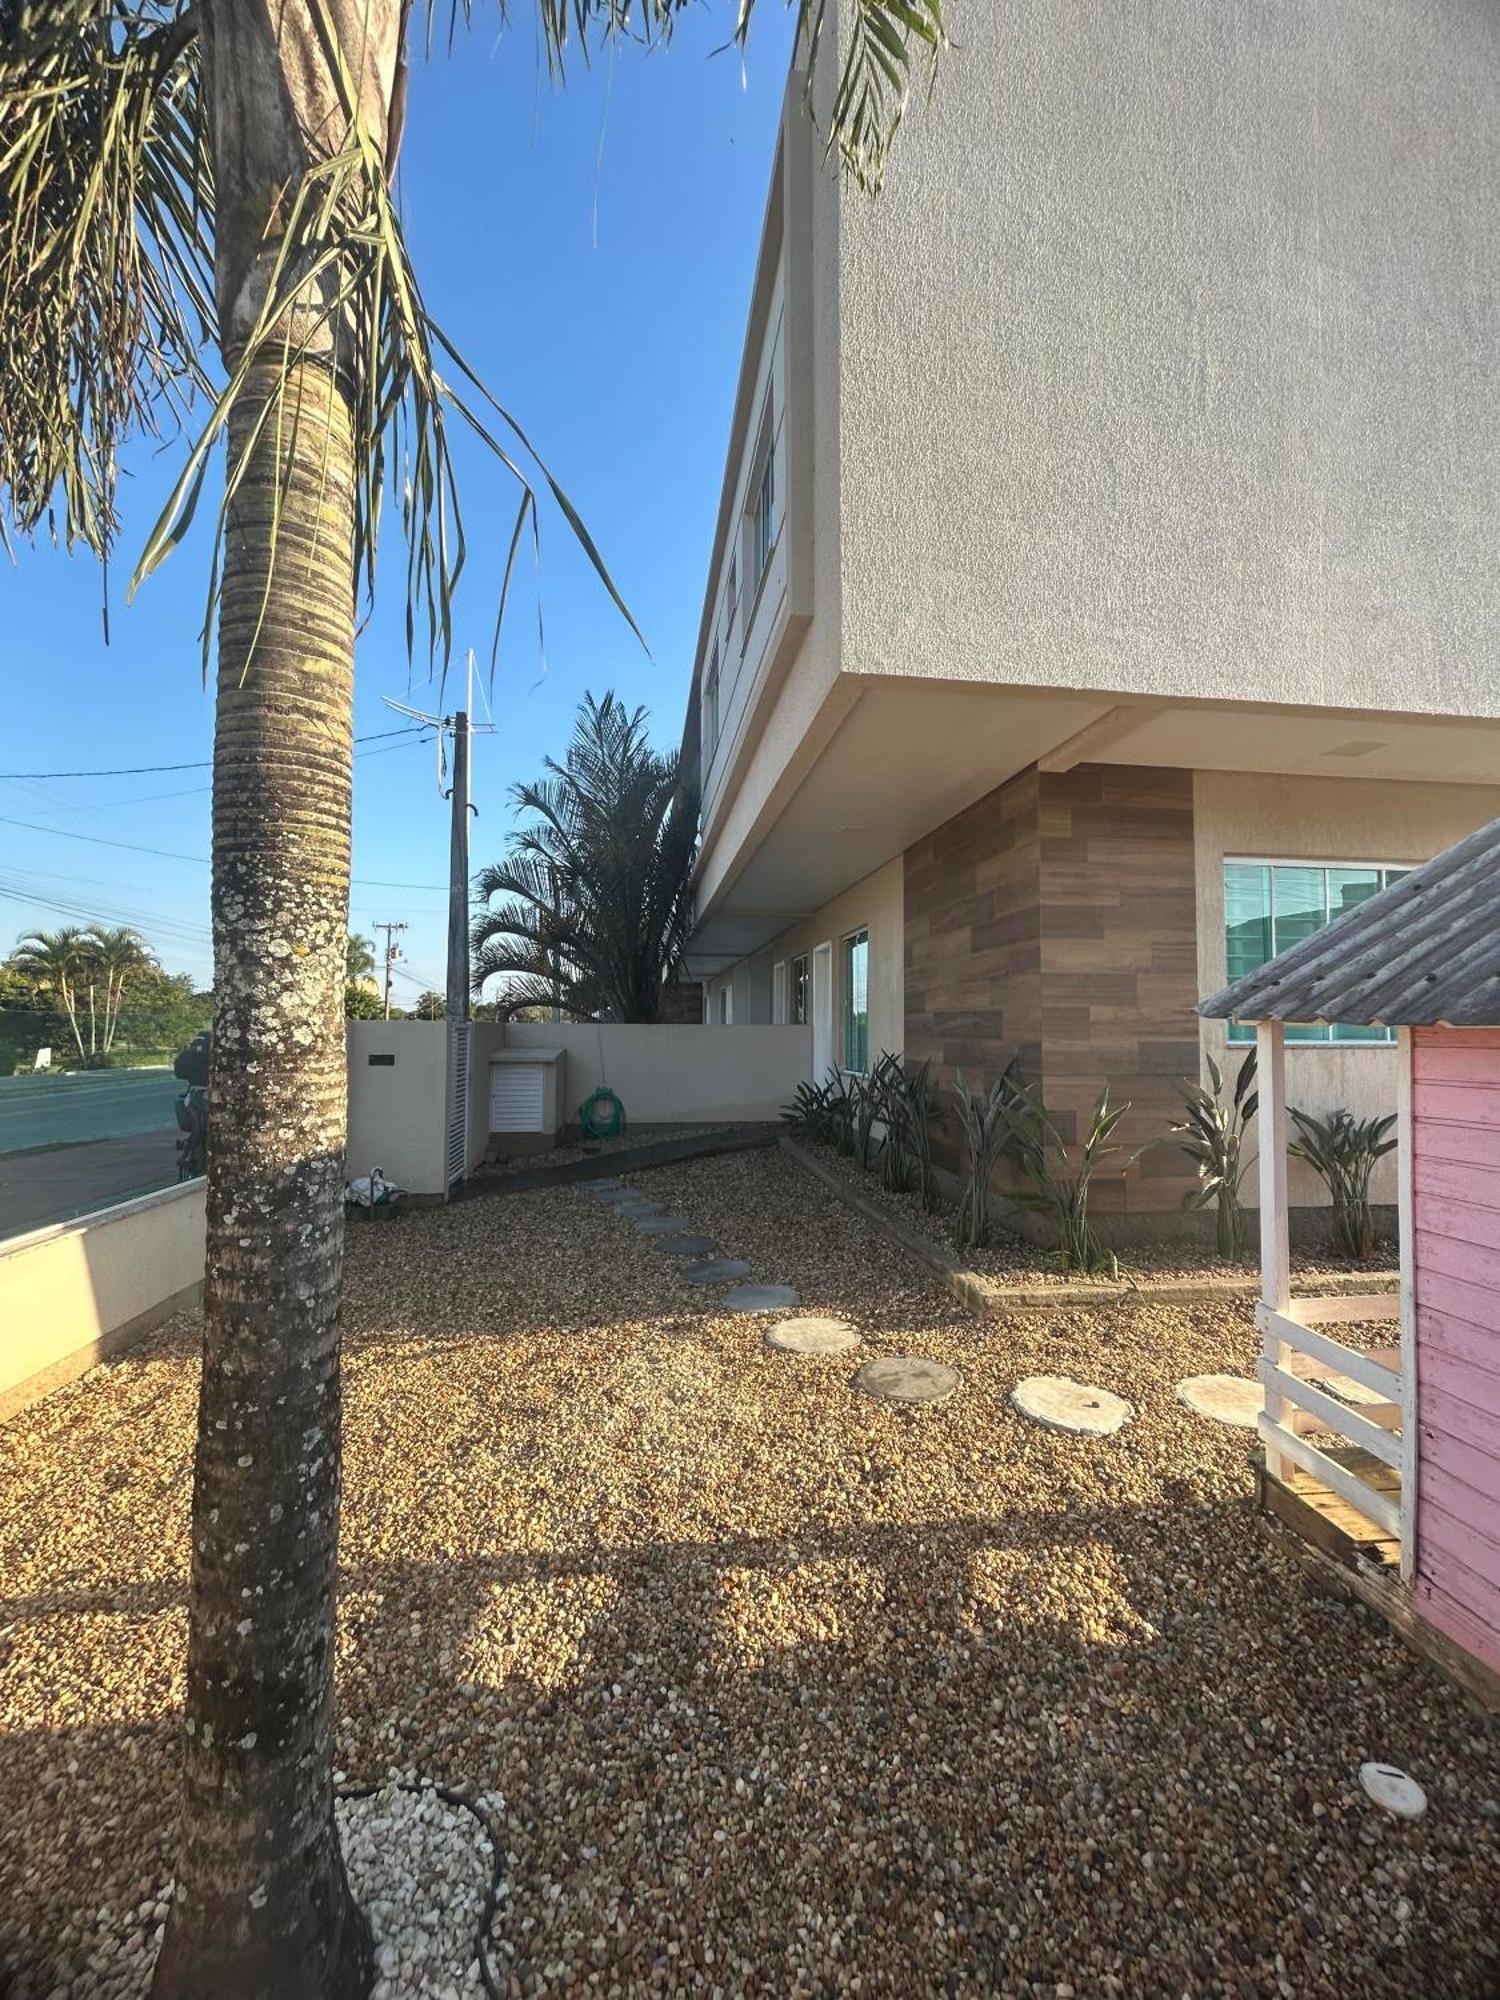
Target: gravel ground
x,y
1016,1261
774,1690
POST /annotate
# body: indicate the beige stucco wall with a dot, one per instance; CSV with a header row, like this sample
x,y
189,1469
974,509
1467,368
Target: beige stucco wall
x,y
398,1115
75,1292
1251,816
677,1075
876,904
1169,356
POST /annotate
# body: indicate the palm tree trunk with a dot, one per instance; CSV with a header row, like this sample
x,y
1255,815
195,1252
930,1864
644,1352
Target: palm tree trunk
x,y
262,1904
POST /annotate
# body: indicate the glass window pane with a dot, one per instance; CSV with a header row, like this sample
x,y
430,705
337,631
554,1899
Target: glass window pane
x,y
1299,905
857,1001
1349,887
1247,916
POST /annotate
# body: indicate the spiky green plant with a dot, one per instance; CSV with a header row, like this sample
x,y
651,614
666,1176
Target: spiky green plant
x,y
1342,1150
1213,1137
982,1120
151,253
1059,1176
888,1086
808,1111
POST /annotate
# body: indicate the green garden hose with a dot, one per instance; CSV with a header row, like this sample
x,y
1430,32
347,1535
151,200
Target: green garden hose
x,y
602,1115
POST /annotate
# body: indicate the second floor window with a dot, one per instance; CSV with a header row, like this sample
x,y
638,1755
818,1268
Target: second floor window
x,y
763,514
711,709
798,992
731,602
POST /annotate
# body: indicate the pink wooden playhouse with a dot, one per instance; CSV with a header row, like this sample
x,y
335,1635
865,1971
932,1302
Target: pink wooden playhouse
x,y
1381,1424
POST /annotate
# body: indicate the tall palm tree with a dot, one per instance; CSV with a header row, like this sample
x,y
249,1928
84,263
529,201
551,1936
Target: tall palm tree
x,y
359,959
596,888
57,965
121,958
194,196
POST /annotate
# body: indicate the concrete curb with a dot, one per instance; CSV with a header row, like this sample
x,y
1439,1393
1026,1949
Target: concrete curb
x,y
622,1160
990,1295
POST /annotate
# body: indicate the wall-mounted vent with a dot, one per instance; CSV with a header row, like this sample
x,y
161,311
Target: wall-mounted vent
x,y
381,1062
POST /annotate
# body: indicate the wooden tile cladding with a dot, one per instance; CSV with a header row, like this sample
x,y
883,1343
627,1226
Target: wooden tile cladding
x,y
1054,919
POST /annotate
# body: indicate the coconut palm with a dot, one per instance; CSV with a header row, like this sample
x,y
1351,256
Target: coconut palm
x,y
194,197
596,889
359,959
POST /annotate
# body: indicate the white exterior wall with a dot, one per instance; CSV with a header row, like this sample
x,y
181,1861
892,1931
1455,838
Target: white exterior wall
x,y
1254,817
877,905
676,1075
76,1292
1168,356
398,1113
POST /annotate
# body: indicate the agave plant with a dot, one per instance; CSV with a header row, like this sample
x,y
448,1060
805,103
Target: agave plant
x,y
1059,1177
1213,1135
982,1115
1342,1150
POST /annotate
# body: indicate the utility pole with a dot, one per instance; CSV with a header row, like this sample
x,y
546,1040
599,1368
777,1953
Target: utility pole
x,y
392,953
458,871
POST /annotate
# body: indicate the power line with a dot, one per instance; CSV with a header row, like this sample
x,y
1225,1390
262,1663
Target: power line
x,y
170,854
145,770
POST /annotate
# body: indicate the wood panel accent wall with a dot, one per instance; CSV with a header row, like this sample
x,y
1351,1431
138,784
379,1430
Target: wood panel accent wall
x,y
1054,920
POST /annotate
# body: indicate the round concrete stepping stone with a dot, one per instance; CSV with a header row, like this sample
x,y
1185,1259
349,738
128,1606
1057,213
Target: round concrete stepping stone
x,y
1228,1399
663,1225
1393,1789
1348,1390
760,1298
685,1246
716,1270
907,1378
633,1211
812,1335
1060,1404
606,1190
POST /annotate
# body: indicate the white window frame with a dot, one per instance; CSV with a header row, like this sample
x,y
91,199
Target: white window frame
x,y
726,1005
804,959
1246,1037
779,991
711,707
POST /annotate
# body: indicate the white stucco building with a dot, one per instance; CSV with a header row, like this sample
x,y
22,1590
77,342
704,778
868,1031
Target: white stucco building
x,y
1103,590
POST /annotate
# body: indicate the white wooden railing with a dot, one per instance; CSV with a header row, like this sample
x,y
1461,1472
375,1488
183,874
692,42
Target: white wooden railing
x,y
1295,1348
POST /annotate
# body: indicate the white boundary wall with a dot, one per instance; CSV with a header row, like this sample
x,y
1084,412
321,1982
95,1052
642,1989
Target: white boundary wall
x,y
667,1075
73,1293
398,1108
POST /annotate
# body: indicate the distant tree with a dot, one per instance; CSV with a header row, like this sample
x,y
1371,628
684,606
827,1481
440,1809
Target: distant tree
x,y
362,1003
58,965
163,1012
121,960
430,1007
595,891
359,959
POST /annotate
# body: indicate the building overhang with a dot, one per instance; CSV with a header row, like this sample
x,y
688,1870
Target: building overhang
x,y
900,757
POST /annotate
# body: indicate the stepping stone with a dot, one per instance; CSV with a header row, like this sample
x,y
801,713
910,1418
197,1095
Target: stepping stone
x,y
1348,1390
1228,1399
716,1270
606,1190
907,1378
760,1299
1391,1788
663,1225
634,1210
812,1335
1060,1404
685,1246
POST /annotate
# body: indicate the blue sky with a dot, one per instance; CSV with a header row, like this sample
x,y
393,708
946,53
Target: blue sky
x,y
590,250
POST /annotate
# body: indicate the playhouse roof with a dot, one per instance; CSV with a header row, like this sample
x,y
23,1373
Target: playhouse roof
x,y
1426,949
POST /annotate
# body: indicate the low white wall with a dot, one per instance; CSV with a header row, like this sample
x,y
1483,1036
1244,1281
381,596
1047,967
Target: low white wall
x,y
1252,815
75,1292
674,1075
398,1110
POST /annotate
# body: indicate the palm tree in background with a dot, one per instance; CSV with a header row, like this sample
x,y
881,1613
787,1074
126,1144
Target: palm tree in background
x,y
56,965
596,889
359,959
121,959
195,200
